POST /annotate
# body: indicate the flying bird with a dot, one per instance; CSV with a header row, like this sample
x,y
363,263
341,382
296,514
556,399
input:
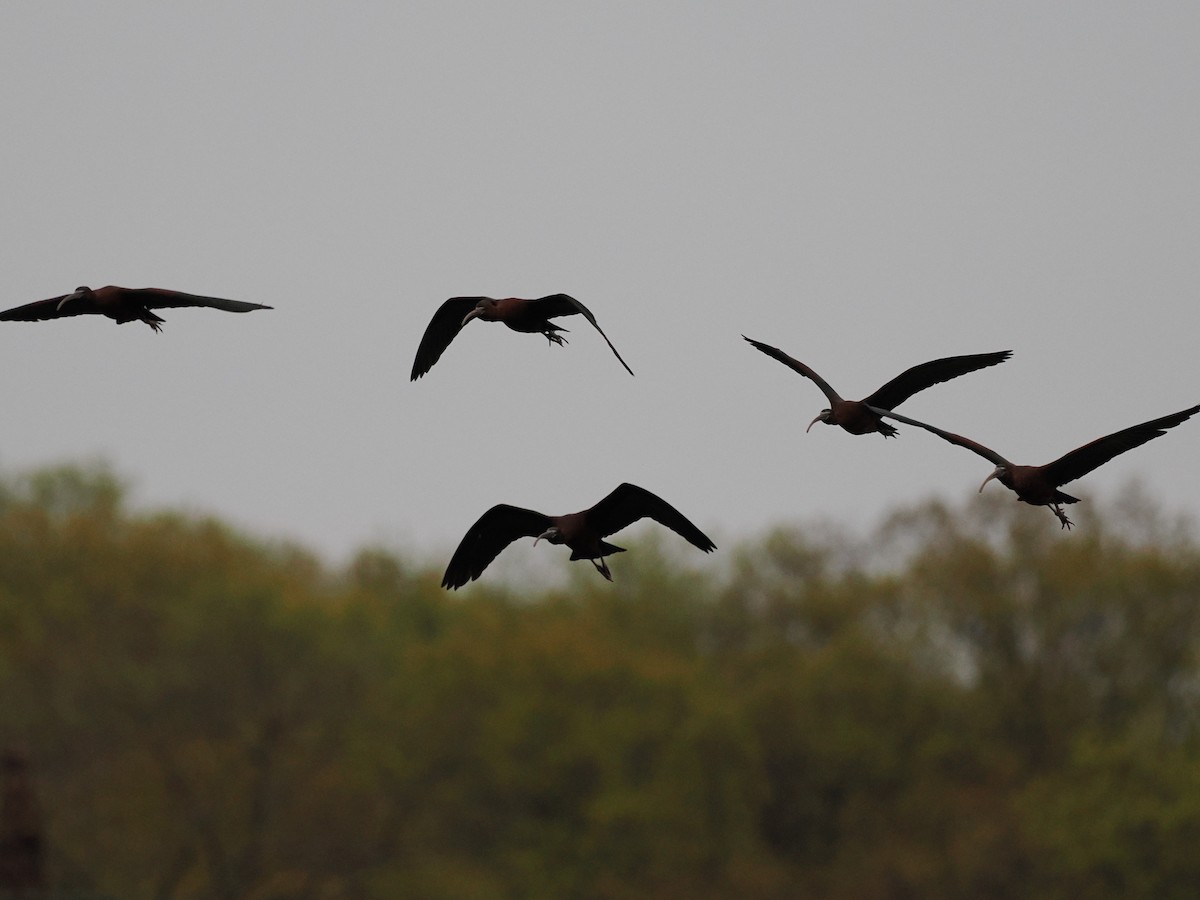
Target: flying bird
x,y
1038,485
529,316
120,304
858,416
583,532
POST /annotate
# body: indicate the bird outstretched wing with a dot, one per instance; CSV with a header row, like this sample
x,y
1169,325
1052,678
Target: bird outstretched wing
x,y
495,530
161,298
628,503
930,373
1090,456
41,310
796,366
974,446
441,330
566,305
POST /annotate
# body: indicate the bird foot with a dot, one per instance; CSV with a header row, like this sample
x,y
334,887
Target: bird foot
x,y
602,568
1062,517
555,338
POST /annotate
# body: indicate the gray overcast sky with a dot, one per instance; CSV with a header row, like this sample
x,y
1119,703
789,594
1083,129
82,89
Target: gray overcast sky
x,y
866,185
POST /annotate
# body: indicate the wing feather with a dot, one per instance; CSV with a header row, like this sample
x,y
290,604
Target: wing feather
x,y
495,530
1090,456
796,366
566,305
930,373
441,330
628,503
161,298
974,446
40,310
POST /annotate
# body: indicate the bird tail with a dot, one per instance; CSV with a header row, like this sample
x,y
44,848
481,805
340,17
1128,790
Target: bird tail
x,y
1060,497
606,549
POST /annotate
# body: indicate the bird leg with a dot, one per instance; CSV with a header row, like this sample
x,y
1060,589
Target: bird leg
x,y
149,318
602,568
1062,516
554,337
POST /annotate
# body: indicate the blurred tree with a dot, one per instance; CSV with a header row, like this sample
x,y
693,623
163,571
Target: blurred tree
x,y
1121,820
964,704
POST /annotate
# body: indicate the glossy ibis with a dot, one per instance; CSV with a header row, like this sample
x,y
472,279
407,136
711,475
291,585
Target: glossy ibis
x,y
529,316
583,532
857,416
120,304
1038,485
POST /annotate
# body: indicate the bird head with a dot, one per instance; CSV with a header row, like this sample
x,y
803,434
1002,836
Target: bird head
x,y
75,295
551,534
998,472
825,416
483,309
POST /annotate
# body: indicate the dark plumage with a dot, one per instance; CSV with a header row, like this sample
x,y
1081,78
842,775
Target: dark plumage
x,y
857,416
583,532
119,304
529,316
1038,485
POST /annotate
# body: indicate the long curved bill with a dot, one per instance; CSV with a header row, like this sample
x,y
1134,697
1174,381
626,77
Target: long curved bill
x,y
995,473
74,295
813,422
471,315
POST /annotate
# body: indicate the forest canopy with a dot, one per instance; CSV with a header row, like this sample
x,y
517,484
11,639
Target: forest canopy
x,y
964,703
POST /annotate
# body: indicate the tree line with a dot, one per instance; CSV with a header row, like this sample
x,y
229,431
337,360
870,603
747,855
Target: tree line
x,y
965,703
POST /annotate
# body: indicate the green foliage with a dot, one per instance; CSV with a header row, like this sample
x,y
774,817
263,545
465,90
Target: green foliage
x,y
969,704
1119,820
